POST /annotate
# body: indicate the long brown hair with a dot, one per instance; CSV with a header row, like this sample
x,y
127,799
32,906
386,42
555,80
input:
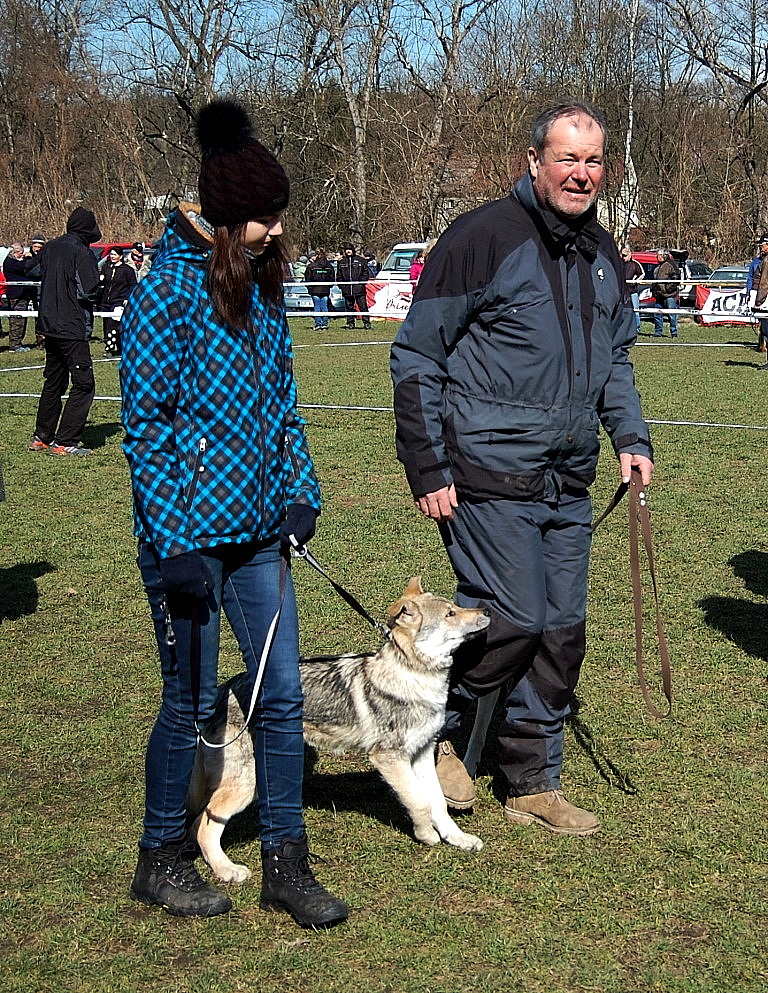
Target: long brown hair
x,y
232,273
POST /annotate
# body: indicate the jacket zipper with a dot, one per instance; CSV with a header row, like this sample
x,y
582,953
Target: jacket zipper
x,y
198,469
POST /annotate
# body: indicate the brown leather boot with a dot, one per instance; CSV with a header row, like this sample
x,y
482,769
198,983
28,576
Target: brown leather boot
x,y
552,811
457,785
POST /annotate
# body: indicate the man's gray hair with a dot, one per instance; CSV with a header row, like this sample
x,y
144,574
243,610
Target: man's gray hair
x,y
564,108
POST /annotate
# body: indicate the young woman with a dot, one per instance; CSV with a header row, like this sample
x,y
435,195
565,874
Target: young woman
x,y
222,479
117,281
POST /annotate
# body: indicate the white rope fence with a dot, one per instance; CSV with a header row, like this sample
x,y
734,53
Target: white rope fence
x,y
389,410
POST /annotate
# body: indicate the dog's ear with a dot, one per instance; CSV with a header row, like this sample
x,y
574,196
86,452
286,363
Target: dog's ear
x,y
414,587
404,613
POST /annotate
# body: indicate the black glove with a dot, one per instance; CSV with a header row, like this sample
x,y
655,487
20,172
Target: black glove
x,y
300,522
186,575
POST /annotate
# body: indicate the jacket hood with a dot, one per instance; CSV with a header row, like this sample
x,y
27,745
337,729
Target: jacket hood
x,y
82,222
186,237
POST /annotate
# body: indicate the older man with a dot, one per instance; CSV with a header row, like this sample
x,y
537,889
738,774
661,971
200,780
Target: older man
x,y
514,351
17,293
666,292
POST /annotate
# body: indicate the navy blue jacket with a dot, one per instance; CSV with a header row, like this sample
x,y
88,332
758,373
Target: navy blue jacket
x,y
514,352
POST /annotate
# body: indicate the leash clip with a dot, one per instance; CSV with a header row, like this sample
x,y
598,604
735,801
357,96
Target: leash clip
x,y
170,634
297,551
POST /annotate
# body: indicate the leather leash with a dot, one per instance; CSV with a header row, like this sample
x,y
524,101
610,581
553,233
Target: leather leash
x,y
640,522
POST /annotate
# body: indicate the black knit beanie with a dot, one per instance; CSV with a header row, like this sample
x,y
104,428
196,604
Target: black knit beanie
x,y
240,180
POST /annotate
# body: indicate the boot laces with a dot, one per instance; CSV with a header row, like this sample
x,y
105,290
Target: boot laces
x,y
297,870
180,868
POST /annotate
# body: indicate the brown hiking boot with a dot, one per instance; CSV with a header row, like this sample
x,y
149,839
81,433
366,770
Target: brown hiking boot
x,y
552,811
457,785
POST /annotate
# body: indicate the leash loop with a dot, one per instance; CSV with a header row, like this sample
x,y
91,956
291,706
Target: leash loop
x,y
196,662
640,522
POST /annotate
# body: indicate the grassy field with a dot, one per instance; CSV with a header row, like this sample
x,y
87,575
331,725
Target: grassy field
x,y
671,897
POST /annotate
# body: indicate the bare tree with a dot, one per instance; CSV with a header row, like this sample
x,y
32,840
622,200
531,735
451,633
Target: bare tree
x,y
435,77
729,39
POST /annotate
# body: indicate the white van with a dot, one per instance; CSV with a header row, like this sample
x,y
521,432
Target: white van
x,y
397,264
389,291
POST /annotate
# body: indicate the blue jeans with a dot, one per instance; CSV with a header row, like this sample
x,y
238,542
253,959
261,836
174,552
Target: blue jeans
x,y
321,304
668,303
246,585
635,298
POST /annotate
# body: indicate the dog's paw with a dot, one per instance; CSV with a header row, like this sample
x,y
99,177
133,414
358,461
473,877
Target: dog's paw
x,y
233,873
466,842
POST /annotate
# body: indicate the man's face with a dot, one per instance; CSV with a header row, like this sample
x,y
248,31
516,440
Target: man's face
x,y
764,248
568,171
17,250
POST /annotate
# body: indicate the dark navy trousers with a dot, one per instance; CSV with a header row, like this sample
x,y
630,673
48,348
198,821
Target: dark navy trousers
x,y
528,562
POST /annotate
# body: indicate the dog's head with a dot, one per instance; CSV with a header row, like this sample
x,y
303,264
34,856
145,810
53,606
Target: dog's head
x,y
432,626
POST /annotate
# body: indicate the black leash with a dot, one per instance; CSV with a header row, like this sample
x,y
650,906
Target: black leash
x,y
302,552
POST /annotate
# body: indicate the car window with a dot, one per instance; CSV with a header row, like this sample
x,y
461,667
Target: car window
x,y
400,260
731,274
698,270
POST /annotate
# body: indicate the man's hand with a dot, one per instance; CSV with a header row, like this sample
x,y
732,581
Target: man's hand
x,y
627,461
439,505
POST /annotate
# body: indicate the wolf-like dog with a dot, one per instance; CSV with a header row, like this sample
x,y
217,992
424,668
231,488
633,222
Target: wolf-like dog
x,y
389,704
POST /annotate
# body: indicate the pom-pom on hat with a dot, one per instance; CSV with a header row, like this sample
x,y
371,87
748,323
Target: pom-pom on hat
x,y
240,180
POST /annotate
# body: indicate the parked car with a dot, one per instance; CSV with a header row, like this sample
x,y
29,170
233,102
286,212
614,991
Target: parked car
x,y
390,290
297,298
729,274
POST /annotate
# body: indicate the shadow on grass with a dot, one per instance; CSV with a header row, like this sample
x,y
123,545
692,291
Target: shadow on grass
x,y
743,622
365,792
360,792
583,736
95,435
18,589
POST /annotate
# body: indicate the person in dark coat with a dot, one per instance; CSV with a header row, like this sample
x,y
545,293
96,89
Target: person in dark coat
x,y
352,274
68,288
514,351
17,296
117,281
319,276
32,270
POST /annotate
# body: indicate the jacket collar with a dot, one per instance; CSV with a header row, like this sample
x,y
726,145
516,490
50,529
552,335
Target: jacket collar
x,y
193,227
582,232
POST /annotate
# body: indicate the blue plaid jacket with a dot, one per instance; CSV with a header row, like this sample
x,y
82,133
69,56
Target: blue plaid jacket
x,y
215,445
